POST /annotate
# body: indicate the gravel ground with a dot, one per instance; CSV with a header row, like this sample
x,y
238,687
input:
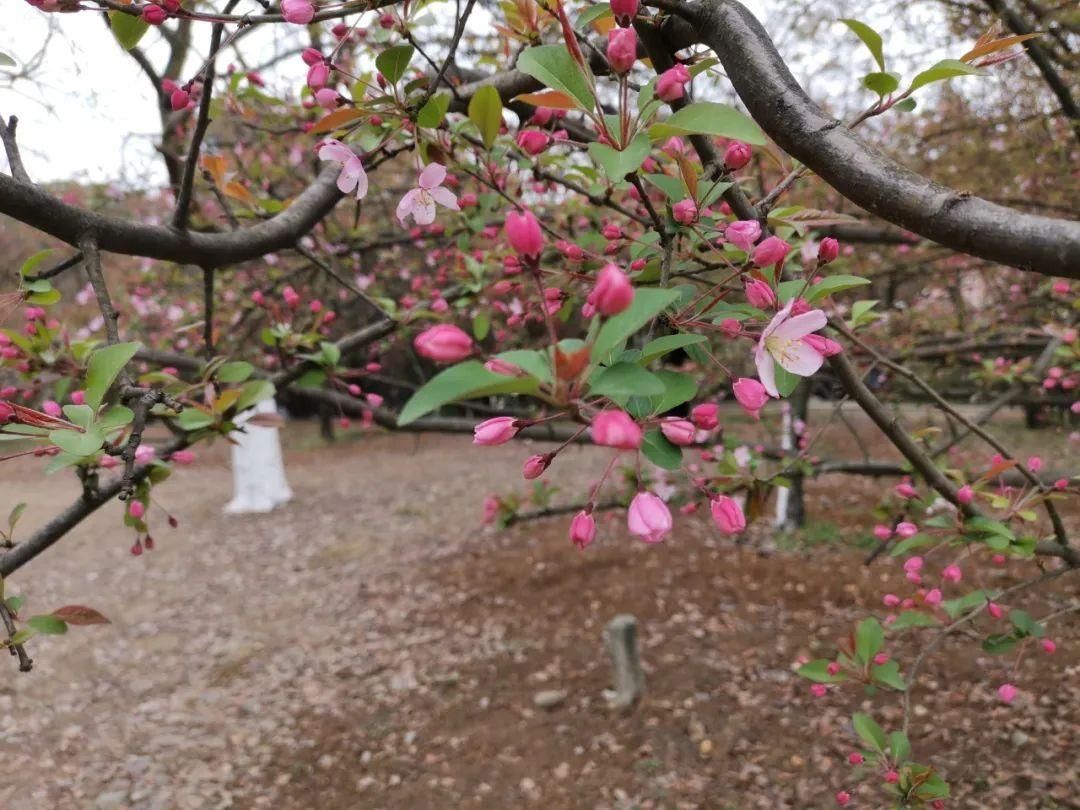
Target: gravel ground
x,y
233,627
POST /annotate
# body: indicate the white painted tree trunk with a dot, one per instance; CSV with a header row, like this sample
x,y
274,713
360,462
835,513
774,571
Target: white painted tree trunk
x,y
258,472
783,494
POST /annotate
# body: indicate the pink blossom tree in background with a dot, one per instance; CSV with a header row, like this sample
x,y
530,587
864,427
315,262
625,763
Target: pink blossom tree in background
x,y
573,222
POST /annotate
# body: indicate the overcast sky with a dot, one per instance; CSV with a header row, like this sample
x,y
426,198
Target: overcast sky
x,y
90,113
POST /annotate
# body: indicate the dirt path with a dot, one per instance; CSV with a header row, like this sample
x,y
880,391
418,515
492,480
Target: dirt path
x,y
371,646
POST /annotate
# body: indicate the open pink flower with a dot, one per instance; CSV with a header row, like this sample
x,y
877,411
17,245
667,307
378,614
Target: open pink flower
x,y
420,202
353,178
783,342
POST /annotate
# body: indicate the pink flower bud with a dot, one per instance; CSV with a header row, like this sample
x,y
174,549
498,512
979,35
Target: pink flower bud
x,y
933,597
613,292
52,408
760,294
833,668
1034,463
533,141
906,529
727,515
819,690
317,75
524,234
443,343
828,250
183,457
855,758
136,510
327,98
882,532
648,517
582,530
685,211
952,573
824,346
179,99
737,155
155,15
890,600
965,494
616,429
892,777
995,610
751,395
913,564
497,430
671,84
311,56
298,12
678,431
78,397
743,234
621,49
906,490
624,10
497,366
770,251
843,798
705,416
1006,693
1049,647
535,466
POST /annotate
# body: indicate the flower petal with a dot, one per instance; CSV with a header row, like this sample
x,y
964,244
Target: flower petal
x,y
407,205
346,182
423,209
778,319
355,169
432,175
766,370
335,150
445,197
801,325
800,358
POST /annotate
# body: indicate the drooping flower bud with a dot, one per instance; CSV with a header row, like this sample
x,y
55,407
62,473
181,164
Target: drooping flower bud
x,y
727,515
298,12
770,251
524,234
613,292
828,250
616,429
621,49
582,529
671,84
443,343
497,430
760,294
751,395
737,155
624,10
648,517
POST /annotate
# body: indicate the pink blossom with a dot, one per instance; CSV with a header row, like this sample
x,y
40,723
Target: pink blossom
x,y
533,141
890,600
825,346
153,14
678,431
671,84
136,510
995,610
833,668
624,10
705,416
498,366
182,457
582,529
52,408
1049,647
770,251
621,49
882,532
613,292
616,429
819,690
914,564
444,343
906,490
648,517
419,203
965,494
843,798
727,514
760,294
497,430
828,250
892,777
144,453
298,12
535,466
952,573
855,758
743,234
1034,463
491,509
78,397
782,341
933,597
685,212
1006,693
353,178
524,234
737,155
906,529
751,395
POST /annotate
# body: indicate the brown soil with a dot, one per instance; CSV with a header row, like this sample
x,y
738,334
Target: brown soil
x,y
370,646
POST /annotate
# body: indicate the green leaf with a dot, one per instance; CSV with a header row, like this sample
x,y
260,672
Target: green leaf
x,y
432,113
869,639
15,603
871,39
76,442
899,747
194,419
616,164
6,61
485,110
834,284
16,513
105,365
906,105
481,325
999,643
393,62
818,671
530,361
48,625
592,14
253,393
81,415
678,388
954,607
912,543
235,372
554,67
889,675
623,380
647,304
881,83
116,416
869,731
31,263
669,343
127,28
329,353
660,451
786,382
467,380
1025,625
945,69
912,618
709,118
44,299
673,187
